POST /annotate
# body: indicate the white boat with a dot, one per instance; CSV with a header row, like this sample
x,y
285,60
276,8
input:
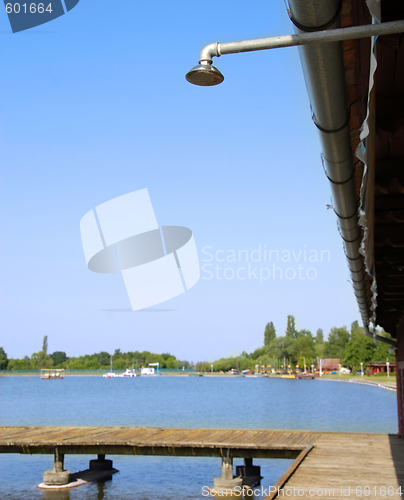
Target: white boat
x,y
128,373
110,375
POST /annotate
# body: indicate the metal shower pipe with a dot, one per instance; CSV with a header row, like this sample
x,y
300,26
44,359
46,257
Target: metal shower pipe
x,y
324,72
336,35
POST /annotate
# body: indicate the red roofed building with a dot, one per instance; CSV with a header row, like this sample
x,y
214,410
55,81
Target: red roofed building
x,y
328,365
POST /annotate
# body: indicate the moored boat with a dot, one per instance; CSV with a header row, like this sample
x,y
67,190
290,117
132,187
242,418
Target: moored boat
x,y
128,373
307,375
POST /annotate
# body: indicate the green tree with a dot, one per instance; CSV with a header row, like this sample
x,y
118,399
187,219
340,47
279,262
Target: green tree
x,y
202,366
320,336
319,343
280,347
3,359
336,343
104,358
143,356
76,364
89,361
258,352
179,365
226,364
45,345
170,361
42,359
381,350
355,329
58,357
303,347
19,364
269,334
154,358
119,363
291,328
359,349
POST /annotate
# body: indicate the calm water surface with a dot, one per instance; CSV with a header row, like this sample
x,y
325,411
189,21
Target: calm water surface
x,y
239,402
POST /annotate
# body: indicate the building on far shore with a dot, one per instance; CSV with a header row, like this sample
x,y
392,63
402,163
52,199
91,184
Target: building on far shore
x,y
147,371
381,367
328,365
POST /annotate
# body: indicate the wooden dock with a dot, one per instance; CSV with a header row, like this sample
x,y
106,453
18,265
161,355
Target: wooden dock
x,y
345,465
325,462
248,443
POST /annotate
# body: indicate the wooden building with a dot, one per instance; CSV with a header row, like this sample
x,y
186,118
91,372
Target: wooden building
x,y
374,80
381,367
328,365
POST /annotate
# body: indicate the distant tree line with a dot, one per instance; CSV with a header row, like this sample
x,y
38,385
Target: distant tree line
x,y
298,346
96,361
294,347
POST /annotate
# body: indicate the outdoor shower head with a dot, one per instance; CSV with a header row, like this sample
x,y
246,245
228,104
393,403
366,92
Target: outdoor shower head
x,y
204,75
207,75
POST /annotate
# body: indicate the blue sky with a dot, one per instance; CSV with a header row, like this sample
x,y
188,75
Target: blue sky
x,y
95,105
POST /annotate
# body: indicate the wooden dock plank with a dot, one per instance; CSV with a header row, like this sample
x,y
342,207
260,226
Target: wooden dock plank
x,y
350,461
336,460
156,441
233,438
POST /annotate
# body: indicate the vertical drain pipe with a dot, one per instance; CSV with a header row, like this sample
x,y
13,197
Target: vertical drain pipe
x,y
324,73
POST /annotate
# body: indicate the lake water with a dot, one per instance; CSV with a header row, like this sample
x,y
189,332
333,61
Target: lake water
x,y
213,402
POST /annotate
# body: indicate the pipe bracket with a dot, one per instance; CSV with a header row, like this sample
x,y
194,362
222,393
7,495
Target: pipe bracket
x,y
350,241
346,218
334,131
323,27
337,182
313,117
353,258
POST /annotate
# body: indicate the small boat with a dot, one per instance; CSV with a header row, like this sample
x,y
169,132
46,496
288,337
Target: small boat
x,y
54,373
128,373
110,375
308,375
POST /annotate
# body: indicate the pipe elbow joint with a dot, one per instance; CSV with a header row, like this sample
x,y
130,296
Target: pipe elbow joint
x,y
208,52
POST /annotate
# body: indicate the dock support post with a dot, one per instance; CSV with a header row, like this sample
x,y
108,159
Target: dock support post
x,y
400,378
100,464
227,481
227,468
249,473
58,476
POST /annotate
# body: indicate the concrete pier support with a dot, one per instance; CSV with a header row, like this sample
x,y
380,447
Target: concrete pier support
x,y
227,481
100,464
249,473
58,476
99,469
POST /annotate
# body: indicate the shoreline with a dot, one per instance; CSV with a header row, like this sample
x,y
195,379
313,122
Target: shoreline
x,y
384,385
